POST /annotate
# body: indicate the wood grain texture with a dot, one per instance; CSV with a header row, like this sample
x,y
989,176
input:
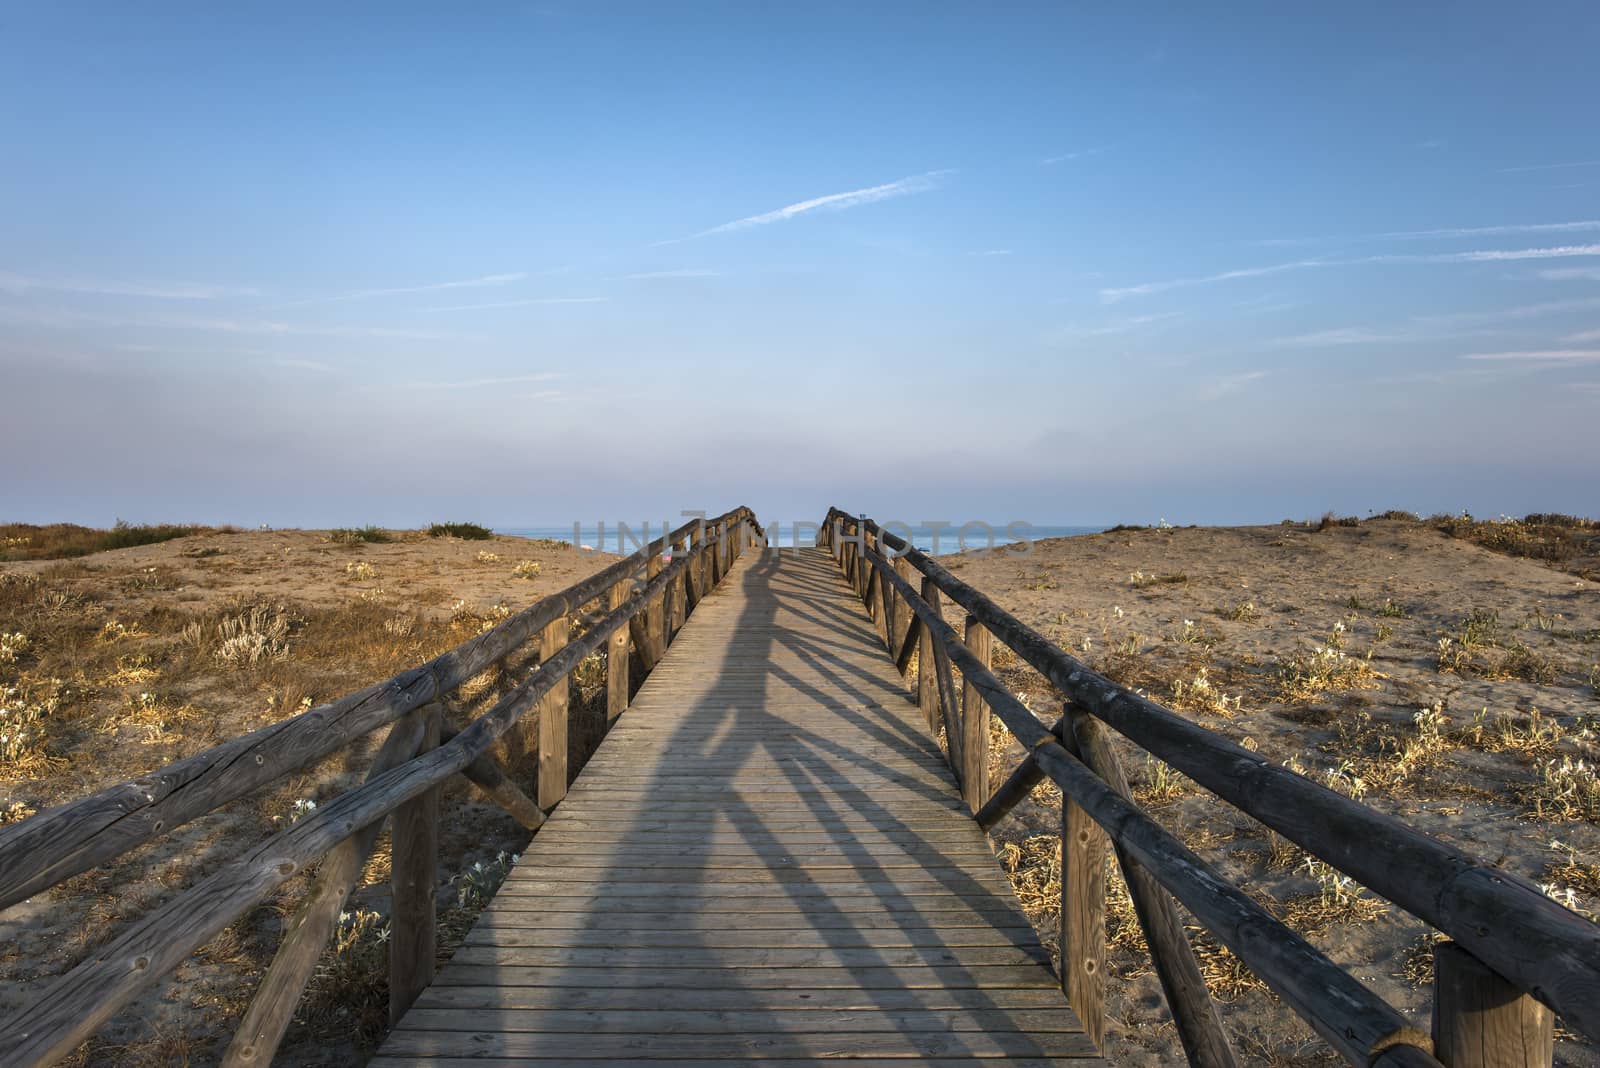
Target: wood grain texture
x,y
262,1028
413,883
617,653
1482,1021
552,727
1195,1014
975,722
766,860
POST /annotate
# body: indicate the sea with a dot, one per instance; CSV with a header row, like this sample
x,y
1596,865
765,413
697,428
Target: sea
x,y
935,540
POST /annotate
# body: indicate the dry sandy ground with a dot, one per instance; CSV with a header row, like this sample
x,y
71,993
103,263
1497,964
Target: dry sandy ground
x,y
124,688
127,689
1248,607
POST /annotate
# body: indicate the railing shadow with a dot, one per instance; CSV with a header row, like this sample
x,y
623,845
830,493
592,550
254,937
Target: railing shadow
x,y
787,708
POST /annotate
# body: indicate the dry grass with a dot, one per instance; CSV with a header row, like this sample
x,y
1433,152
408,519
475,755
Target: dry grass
x,y
1565,790
1326,668
1338,899
113,666
60,541
257,635
1569,542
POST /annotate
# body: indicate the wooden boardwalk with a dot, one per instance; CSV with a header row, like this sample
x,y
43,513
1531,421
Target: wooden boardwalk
x,y
765,860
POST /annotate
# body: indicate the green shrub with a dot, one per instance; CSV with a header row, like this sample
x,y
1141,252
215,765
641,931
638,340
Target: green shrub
x,y
464,531
356,535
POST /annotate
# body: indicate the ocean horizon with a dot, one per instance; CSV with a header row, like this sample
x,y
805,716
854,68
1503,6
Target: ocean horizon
x,y
937,541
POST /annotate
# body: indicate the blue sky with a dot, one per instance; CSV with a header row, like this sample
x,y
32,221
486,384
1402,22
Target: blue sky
x,y
1047,262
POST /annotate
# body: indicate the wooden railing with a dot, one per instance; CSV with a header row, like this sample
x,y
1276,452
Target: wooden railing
x,y
1514,954
643,601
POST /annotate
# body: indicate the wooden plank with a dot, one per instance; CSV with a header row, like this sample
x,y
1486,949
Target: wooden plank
x,y
773,1062
1030,976
730,1045
552,711
510,936
414,879
798,999
769,842
699,1022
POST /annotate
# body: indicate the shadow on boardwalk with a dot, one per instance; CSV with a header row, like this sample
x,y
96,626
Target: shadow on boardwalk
x,y
766,859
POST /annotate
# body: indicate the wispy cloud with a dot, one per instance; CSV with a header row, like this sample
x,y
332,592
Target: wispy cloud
x,y
1583,336
1120,326
993,252
1550,166
917,183
1515,313
1082,153
1552,356
305,365
1229,384
1571,274
18,284
532,302
1496,255
53,318
1490,231
1441,233
1146,288
477,383
433,287
1349,335
1476,256
681,272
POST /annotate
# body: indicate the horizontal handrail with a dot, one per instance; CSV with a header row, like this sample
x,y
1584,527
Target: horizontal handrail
x,y
64,841
1354,1020
78,1003
1507,923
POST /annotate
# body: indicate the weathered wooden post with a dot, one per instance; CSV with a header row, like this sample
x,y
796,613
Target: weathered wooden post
x,y
1199,1027
975,721
1482,1021
414,875
617,656
679,600
1083,913
649,628
927,680
553,721
272,1009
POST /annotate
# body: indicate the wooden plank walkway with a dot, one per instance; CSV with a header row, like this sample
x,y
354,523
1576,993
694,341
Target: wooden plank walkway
x,y
766,860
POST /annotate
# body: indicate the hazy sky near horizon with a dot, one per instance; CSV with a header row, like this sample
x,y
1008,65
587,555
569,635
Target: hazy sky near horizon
x,y
1051,262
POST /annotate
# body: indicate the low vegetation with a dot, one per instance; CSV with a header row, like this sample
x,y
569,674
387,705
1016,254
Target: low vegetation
x,y
111,667
464,531
1456,690
64,541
